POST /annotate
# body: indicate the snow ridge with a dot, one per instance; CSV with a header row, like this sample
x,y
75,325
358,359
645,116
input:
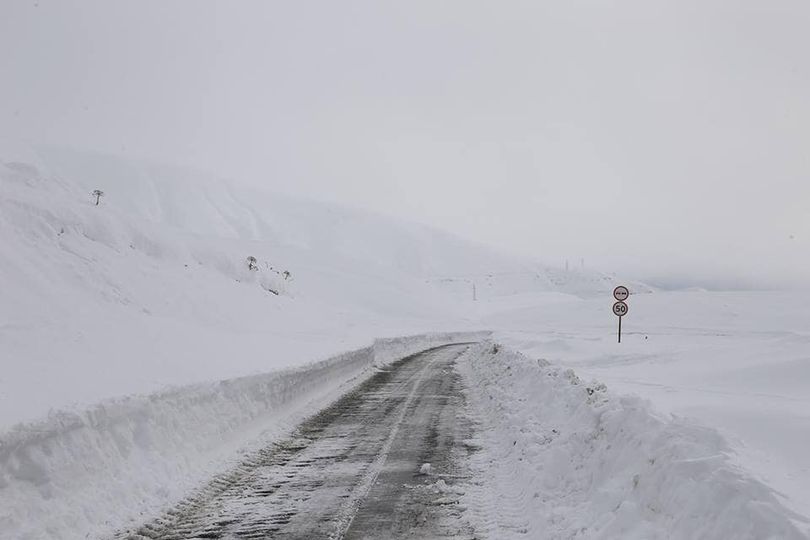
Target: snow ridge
x,y
76,474
565,459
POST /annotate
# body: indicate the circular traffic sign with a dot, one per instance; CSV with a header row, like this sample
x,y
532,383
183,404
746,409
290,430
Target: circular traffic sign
x,y
620,309
621,293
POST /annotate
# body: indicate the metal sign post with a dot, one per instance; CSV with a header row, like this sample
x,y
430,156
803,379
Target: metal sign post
x,y
620,293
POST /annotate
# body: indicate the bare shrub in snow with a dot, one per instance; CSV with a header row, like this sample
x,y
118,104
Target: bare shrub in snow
x,y
252,263
98,194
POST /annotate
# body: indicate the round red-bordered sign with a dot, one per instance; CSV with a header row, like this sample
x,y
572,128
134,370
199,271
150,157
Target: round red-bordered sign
x,y
621,293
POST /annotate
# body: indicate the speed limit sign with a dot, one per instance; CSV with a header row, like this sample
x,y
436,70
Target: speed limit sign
x,y
620,293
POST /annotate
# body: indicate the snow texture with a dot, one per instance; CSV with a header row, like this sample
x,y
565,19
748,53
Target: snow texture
x,y
561,458
735,361
76,474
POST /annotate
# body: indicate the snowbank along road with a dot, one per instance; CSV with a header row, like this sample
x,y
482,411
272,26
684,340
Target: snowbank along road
x,y
378,463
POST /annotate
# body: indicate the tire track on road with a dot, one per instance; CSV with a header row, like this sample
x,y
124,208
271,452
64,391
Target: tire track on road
x,y
350,471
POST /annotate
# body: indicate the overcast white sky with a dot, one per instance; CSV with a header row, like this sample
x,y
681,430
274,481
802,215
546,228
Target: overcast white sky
x,y
656,138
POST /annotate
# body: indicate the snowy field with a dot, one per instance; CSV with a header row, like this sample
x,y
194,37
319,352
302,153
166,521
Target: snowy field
x,y
116,316
735,361
563,458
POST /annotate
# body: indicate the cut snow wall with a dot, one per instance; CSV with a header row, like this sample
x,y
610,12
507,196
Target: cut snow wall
x,y
391,349
73,475
562,458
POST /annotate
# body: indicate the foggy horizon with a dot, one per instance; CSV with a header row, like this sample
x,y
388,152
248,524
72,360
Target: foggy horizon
x,y
663,141
397,270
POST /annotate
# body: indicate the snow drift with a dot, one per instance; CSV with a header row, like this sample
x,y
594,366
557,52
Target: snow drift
x,y
563,459
76,474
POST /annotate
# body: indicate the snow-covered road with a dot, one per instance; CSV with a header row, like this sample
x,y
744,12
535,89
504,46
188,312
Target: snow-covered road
x,y
473,440
378,463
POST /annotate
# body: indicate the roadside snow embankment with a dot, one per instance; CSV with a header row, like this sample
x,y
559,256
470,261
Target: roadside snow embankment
x,y
74,475
565,459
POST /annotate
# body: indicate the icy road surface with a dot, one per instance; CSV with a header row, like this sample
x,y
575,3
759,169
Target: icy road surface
x,y
356,470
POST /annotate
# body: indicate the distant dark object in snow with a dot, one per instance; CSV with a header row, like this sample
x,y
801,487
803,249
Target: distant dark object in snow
x,y
98,194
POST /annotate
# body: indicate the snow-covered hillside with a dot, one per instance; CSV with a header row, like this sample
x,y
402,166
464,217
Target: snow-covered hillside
x,y
151,287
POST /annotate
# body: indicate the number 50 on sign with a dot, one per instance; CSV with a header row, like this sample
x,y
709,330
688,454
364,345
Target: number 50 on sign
x,y
620,293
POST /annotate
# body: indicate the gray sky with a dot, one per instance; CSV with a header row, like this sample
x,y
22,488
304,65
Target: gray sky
x,y
655,138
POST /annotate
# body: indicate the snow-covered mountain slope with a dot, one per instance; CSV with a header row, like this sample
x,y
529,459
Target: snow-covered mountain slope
x,y
209,207
151,287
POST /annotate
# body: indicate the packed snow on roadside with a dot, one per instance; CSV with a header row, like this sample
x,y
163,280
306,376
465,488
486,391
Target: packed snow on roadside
x,y
737,362
561,458
123,461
